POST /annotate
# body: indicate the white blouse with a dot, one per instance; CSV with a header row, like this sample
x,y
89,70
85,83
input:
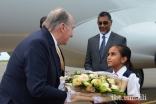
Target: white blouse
x,y
133,87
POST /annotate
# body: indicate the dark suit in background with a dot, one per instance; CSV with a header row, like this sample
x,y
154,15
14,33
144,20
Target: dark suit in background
x,y
33,71
93,60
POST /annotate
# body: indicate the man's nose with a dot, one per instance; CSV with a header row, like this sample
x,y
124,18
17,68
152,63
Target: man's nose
x,y
71,35
102,25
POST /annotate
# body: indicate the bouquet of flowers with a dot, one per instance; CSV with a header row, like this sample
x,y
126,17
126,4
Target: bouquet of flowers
x,y
88,84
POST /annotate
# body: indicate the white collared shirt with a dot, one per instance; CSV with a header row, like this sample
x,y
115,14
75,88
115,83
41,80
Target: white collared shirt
x,y
133,87
106,38
54,39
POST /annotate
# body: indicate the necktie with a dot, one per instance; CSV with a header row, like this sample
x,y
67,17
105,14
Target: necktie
x,y
102,46
61,59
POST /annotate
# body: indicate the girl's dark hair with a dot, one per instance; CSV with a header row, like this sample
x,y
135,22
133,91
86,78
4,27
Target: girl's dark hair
x,y
126,52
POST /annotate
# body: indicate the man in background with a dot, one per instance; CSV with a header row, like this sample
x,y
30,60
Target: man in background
x,y
58,49
33,72
42,20
98,45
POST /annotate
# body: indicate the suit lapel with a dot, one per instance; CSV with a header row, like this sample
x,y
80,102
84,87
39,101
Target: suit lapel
x,y
97,39
52,50
110,40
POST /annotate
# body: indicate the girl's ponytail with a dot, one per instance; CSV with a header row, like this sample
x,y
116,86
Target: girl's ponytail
x,y
129,65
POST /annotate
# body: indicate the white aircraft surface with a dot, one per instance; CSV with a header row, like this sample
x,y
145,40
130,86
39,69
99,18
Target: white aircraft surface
x,y
134,19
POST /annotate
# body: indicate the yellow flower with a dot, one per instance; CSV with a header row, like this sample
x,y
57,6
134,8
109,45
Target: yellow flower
x,y
76,82
96,82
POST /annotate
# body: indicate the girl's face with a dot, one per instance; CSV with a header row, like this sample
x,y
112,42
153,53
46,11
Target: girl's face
x,y
114,59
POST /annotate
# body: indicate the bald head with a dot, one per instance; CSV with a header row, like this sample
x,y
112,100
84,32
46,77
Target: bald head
x,y
57,17
60,23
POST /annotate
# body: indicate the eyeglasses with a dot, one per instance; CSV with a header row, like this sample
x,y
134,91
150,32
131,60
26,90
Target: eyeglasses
x,y
104,22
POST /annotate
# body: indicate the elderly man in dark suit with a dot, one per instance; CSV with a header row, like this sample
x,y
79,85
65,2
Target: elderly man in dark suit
x,y
59,51
98,46
33,71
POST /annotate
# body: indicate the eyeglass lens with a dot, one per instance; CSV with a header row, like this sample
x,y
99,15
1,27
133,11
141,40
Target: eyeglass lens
x,y
104,22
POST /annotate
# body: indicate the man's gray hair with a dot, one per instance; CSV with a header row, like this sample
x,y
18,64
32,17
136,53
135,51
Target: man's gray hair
x,y
55,18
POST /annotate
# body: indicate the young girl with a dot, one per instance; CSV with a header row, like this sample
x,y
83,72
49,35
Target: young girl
x,y
119,59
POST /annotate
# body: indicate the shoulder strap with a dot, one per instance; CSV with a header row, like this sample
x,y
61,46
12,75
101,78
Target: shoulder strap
x,y
127,73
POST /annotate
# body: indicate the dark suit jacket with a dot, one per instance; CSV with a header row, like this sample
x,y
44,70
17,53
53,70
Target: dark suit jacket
x,y
93,61
33,71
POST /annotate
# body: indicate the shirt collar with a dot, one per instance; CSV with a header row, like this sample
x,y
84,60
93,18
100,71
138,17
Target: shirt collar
x,y
54,39
106,35
121,71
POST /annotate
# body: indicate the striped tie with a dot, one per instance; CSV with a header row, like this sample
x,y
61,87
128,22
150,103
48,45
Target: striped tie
x,y
61,58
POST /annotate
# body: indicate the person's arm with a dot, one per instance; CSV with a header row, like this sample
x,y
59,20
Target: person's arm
x,y
133,90
36,69
88,59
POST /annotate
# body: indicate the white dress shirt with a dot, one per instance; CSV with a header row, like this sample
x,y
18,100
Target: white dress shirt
x,y
106,38
54,39
133,87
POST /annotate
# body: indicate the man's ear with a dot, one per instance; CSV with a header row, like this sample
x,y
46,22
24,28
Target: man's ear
x,y
123,60
111,22
62,27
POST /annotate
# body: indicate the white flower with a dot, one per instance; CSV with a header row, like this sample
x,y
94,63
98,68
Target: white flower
x,y
106,84
103,79
104,87
77,73
114,87
76,76
84,77
93,76
111,81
